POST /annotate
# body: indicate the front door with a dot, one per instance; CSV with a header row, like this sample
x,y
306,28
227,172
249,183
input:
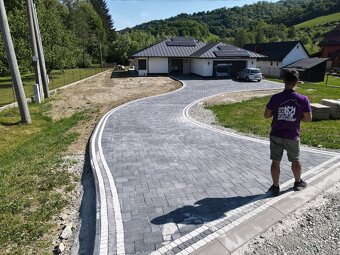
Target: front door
x,y
176,66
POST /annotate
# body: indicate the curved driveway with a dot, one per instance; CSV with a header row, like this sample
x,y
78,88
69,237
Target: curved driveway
x,y
172,177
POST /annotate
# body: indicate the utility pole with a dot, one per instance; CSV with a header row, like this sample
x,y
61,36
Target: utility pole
x,y
41,54
13,65
35,58
101,55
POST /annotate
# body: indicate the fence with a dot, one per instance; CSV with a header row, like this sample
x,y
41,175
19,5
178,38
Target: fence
x,y
58,78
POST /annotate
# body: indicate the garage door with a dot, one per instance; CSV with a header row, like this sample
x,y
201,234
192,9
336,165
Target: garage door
x,y
235,66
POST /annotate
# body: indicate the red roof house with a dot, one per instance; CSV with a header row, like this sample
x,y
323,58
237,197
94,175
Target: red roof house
x,y
330,47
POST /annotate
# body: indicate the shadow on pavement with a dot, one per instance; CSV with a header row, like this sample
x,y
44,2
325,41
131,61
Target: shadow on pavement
x,y
204,210
87,209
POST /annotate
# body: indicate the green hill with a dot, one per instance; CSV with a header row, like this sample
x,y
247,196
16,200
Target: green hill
x,y
322,20
252,23
259,22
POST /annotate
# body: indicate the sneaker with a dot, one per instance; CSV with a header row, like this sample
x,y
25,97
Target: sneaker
x,y
299,185
274,190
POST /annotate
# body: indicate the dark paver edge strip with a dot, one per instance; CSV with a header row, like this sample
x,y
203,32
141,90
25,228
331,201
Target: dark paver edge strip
x,y
102,231
240,136
248,216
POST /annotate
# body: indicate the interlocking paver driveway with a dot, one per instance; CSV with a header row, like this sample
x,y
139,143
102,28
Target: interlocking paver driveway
x,y
173,176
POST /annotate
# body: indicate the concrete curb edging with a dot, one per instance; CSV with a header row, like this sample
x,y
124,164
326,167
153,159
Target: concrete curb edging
x,y
100,168
273,211
234,239
237,135
98,163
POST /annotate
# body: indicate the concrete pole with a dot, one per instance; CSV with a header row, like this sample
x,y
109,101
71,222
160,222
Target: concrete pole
x,y
41,54
34,47
13,65
101,55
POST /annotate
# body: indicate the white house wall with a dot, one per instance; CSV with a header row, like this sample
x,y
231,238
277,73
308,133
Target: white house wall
x,y
294,55
158,65
202,67
251,63
270,68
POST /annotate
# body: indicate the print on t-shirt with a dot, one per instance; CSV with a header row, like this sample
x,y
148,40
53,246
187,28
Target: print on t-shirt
x,y
287,111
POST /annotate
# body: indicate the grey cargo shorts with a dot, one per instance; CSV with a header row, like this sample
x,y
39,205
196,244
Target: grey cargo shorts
x,y
278,144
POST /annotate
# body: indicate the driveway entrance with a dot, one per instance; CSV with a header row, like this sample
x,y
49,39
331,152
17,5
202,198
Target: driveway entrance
x,y
165,182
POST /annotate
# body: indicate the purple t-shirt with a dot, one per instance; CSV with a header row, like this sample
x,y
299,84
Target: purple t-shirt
x,y
288,108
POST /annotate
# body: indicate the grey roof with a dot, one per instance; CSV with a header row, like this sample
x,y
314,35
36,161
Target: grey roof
x,y
276,51
305,63
163,50
183,47
181,41
231,51
204,50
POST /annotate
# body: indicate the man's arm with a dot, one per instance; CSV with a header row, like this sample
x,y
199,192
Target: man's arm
x,y
268,113
307,116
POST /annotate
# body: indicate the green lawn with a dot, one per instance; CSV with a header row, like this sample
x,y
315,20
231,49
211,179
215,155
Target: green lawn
x,y
30,175
320,20
331,81
247,117
57,79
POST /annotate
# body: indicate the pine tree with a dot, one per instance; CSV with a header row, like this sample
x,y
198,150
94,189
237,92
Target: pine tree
x,y
103,11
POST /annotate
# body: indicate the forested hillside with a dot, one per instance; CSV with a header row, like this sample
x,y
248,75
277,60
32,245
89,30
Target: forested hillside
x,y
72,32
259,22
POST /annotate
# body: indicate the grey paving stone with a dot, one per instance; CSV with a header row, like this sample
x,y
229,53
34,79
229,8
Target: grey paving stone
x,y
161,162
141,246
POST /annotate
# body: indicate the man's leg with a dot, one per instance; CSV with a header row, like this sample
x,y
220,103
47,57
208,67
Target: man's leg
x,y
299,184
296,168
275,171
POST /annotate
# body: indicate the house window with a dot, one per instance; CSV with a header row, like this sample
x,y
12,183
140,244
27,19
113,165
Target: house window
x,y
277,63
271,63
142,64
297,46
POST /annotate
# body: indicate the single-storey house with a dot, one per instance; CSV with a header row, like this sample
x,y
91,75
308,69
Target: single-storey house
x,y
280,54
310,69
330,47
185,55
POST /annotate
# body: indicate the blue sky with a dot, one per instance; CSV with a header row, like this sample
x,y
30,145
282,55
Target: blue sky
x,y
128,13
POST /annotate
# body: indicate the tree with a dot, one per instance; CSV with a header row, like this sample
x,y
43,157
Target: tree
x,y
61,49
128,43
241,38
101,8
291,32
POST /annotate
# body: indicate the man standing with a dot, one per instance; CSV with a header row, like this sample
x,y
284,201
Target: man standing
x,y
288,109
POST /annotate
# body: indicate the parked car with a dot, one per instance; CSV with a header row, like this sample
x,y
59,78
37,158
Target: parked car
x,y
250,74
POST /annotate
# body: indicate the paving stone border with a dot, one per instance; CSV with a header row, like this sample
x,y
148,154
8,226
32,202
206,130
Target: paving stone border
x,y
106,192
110,230
207,239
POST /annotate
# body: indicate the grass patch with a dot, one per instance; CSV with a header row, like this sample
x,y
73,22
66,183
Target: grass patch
x,y
30,177
57,80
320,20
331,81
247,117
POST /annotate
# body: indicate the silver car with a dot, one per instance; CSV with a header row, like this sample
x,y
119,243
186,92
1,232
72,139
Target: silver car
x,y
250,74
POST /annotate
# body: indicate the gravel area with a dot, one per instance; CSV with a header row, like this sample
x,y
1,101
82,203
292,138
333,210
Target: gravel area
x,y
312,229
